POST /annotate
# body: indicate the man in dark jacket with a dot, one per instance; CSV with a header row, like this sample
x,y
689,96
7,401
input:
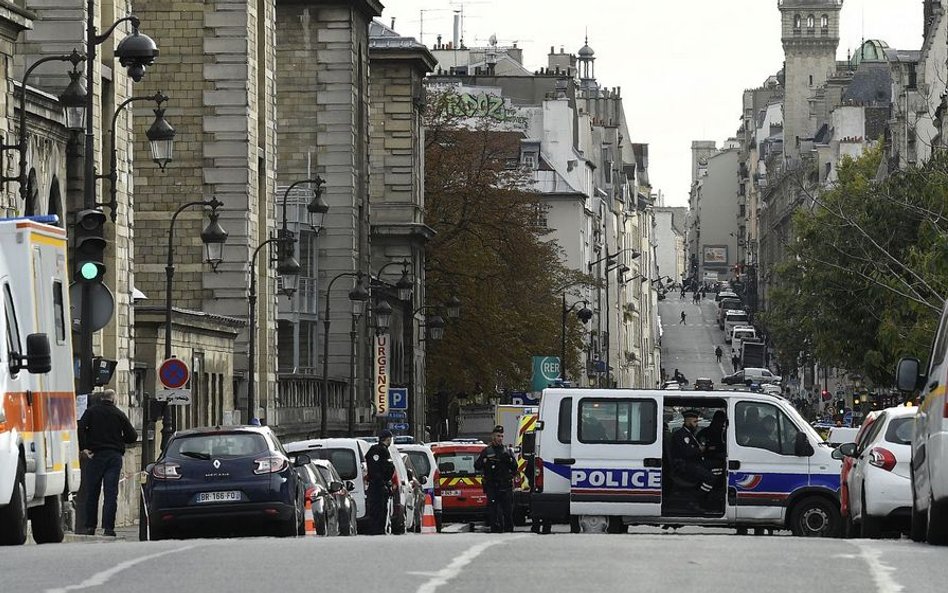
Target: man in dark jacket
x,y
499,468
686,455
104,430
380,468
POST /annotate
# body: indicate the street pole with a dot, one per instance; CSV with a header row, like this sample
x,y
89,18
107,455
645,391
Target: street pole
x,y
350,409
563,342
408,338
324,400
252,325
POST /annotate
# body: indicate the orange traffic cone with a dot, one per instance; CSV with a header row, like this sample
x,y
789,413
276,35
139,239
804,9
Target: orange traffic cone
x,y
309,524
428,524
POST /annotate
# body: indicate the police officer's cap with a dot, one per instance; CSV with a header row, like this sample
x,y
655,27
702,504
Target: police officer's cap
x,y
691,414
385,434
499,429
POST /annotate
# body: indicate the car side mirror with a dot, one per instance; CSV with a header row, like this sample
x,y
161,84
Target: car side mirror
x,y
350,485
424,479
837,454
38,357
802,446
847,449
301,460
908,374
335,486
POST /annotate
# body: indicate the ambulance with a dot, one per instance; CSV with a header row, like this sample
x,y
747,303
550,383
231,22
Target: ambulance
x,y
39,450
604,462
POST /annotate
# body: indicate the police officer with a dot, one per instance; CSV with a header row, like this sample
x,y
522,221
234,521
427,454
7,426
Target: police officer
x,y
499,467
380,471
686,454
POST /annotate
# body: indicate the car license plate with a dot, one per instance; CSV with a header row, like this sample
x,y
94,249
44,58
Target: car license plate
x,y
221,496
450,493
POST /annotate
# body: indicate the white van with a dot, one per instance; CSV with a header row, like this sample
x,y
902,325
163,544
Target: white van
x,y
738,335
601,459
348,457
732,319
929,470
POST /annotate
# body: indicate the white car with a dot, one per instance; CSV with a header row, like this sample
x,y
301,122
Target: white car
x,y
427,467
879,483
348,457
930,440
761,376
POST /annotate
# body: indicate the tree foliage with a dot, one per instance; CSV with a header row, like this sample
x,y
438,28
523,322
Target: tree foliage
x,y
492,252
868,272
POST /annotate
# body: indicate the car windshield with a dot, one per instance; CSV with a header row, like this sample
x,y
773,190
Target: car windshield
x,y
344,460
456,464
899,430
207,446
420,461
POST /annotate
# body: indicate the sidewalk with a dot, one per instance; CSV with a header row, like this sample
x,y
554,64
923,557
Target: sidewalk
x,y
129,533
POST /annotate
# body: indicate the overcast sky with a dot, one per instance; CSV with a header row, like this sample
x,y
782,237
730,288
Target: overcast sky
x,y
682,64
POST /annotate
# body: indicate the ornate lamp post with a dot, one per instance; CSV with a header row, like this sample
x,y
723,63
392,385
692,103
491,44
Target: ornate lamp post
x,y
584,316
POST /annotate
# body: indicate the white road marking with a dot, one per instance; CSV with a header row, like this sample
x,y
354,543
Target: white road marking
x,y
443,576
101,578
881,572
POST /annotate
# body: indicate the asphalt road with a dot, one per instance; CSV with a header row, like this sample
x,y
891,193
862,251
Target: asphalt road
x,y
648,560
689,347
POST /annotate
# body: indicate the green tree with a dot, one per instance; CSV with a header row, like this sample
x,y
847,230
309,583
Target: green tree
x,y
869,269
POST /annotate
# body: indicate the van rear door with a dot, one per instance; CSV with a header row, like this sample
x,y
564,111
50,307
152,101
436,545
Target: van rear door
x,y
618,455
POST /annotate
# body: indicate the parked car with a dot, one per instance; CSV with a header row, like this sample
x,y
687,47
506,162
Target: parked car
x,y
345,504
847,465
462,489
704,384
879,484
226,479
417,492
671,385
736,378
761,376
727,304
321,496
347,455
930,440
426,466
726,294
732,319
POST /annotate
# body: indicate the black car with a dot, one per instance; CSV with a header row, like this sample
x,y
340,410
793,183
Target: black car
x,y
344,502
704,384
224,480
320,493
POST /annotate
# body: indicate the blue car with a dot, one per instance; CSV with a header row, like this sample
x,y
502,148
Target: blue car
x,y
216,481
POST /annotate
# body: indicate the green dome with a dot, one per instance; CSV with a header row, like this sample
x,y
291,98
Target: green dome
x,y
872,50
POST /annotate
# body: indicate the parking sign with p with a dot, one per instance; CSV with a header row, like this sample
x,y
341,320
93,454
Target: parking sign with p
x,y
398,398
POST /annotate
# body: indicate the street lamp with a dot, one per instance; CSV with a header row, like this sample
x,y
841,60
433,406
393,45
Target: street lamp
x,y
404,286
435,325
73,100
383,316
160,147
584,316
358,295
453,307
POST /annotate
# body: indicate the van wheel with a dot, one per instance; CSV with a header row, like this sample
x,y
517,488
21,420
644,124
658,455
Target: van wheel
x,y
48,521
398,523
919,519
593,523
814,517
13,517
937,524
574,524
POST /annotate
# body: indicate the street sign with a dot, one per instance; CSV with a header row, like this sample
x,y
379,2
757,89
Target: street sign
x,y
546,369
174,397
398,414
397,398
524,398
173,373
398,425
103,305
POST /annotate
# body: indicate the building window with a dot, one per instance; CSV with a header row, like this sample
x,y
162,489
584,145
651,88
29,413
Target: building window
x,y
825,21
530,160
811,80
810,22
797,22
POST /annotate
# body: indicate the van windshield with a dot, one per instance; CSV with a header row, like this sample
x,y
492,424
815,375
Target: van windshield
x,y
456,464
344,460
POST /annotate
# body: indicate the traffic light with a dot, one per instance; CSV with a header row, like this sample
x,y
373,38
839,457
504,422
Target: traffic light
x,y
90,246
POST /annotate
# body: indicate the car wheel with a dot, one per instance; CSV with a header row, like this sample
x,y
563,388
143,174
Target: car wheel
x,y
918,526
13,517
398,522
438,522
869,527
815,517
937,523
290,527
48,521
593,523
156,533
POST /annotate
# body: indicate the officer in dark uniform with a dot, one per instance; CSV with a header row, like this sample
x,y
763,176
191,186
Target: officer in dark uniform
x,y
687,452
499,468
380,471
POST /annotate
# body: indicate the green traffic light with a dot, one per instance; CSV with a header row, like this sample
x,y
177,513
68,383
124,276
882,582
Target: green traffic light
x,y
89,271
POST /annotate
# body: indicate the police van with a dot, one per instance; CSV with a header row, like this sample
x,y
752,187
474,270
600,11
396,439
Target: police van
x,y
604,462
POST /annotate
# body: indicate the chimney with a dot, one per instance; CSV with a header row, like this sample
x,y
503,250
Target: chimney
x,y
551,50
393,23
457,29
439,42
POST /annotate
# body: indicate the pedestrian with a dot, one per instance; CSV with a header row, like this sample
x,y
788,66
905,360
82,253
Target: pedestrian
x,y
498,465
682,292
735,362
718,353
380,472
682,322
104,430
